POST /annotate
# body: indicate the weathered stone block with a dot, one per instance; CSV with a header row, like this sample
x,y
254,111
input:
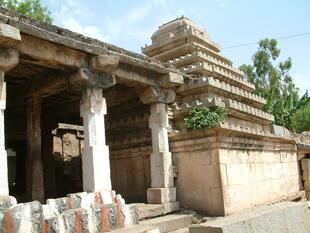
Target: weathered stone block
x,y
104,63
112,216
23,218
79,200
59,205
9,36
161,195
7,202
9,58
154,94
70,146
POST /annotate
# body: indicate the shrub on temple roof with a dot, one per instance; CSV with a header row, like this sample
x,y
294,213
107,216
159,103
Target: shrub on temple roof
x,y
31,8
205,117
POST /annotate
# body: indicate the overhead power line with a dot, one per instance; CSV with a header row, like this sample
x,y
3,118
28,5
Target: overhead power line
x,y
279,38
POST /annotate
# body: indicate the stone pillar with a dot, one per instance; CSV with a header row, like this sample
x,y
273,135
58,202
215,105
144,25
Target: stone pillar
x,y
95,159
4,186
162,190
34,162
9,58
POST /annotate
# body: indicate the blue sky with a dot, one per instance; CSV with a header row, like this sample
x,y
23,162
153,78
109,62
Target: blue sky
x,y
130,24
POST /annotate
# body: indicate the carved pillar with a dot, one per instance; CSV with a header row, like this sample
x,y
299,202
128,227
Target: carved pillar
x,y
4,186
34,162
95,159
162,190
9,58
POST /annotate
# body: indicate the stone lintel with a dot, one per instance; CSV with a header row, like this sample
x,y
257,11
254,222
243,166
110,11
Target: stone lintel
x,y
104,63
9,58
171,80
155,94
161,195
85,78
9,36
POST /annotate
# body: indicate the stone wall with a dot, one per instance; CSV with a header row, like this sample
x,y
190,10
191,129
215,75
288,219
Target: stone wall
x,y
224,175
130,172
198,179
255,177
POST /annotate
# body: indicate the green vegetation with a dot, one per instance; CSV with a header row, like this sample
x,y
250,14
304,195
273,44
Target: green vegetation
x,y
31,8
273,82
205,117
301,120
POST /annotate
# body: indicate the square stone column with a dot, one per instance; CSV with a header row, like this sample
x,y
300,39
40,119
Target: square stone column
x,y
163,190
4,186
95,159
34,162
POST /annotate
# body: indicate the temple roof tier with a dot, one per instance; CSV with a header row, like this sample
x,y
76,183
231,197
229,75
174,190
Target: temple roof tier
x,y
204,84
234,108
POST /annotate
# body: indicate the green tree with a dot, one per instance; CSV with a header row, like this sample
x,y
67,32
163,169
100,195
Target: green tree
x,y
301,120
31,8
273,82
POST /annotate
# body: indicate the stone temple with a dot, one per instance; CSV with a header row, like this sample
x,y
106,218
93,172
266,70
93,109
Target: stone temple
x,y
93,137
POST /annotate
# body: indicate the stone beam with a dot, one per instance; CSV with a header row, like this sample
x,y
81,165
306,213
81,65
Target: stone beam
x,y
51,54
104,63
85,78
79,80
9,36
155,94
171,80
129,77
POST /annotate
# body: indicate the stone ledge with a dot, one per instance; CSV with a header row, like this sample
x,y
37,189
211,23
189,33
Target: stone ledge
x,y
283,217
238,130
154,210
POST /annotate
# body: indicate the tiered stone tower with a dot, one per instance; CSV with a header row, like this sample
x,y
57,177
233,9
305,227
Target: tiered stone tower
x,y
240,163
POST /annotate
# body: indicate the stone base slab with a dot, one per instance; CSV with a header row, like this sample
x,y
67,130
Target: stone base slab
x,y
154,210
161,195
287,217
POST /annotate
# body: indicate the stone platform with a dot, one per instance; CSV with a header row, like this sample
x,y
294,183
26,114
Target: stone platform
x,y
290,217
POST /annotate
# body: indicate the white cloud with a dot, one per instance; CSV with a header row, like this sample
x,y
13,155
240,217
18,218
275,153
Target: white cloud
x,y
71,15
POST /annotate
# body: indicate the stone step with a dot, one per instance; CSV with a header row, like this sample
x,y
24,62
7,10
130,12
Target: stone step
x,y
154,210
182,230
138,229
169,222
